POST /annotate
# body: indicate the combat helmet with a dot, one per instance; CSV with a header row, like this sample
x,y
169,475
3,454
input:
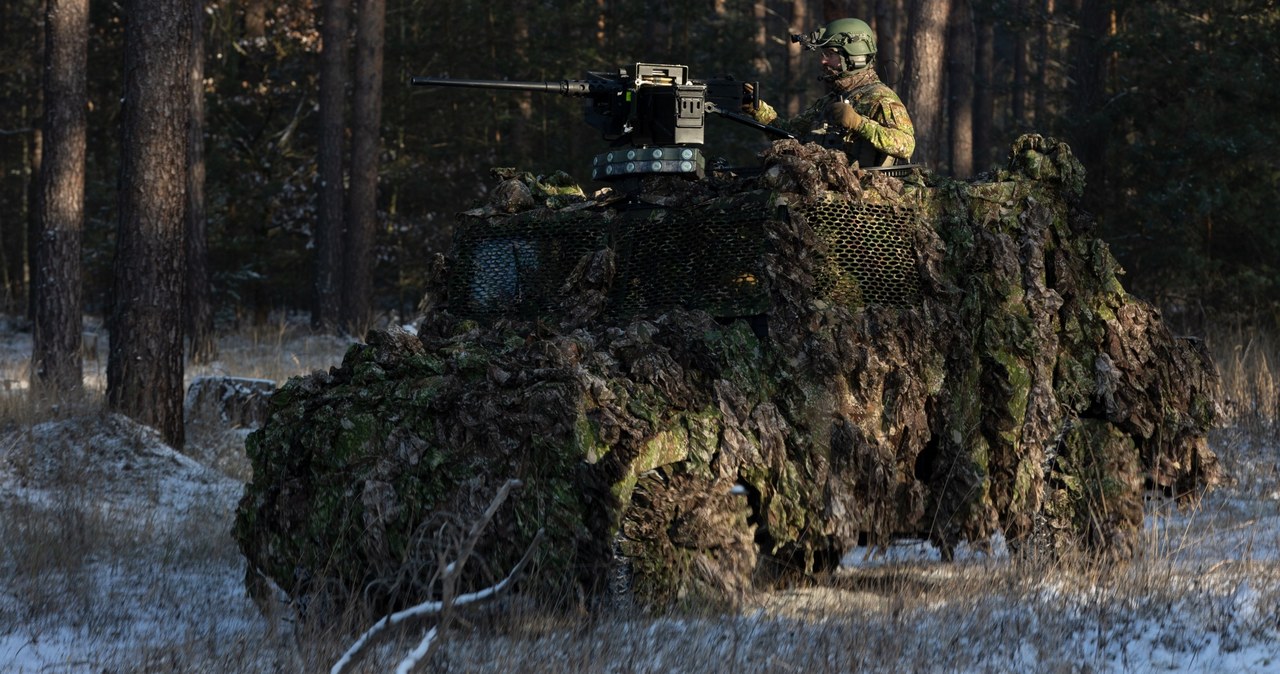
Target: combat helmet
x,y
853,38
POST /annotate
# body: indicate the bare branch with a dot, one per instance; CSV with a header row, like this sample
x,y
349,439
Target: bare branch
x,y
448,598
469,545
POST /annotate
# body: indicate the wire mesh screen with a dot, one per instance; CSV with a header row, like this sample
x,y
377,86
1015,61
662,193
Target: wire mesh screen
x,y
518,265
869,259
709,257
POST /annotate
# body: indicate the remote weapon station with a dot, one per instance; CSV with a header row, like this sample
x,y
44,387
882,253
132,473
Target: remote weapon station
x,y
655,118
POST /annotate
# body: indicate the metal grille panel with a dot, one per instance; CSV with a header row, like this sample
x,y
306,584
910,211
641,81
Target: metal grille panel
x,y
518,265
869,257
708,257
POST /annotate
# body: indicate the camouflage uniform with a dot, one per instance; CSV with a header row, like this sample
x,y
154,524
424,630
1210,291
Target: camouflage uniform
x,y
885,135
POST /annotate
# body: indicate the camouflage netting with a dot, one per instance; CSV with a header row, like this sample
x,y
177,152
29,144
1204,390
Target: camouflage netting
x,y
996,379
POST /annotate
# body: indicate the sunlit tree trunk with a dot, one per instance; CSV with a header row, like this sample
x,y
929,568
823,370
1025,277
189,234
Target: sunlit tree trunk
x,y
760,41
255,18
799,63
327,285
144,368
603,25
960,60
56,359
198,311
362,211
924,91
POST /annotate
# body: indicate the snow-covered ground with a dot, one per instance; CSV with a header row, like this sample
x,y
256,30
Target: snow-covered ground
x,y
116,556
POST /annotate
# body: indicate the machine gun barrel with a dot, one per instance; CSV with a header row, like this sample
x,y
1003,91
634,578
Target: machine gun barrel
x,y
563,87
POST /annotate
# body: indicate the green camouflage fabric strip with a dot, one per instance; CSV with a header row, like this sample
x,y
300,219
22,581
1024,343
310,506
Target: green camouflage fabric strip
x,y
886,129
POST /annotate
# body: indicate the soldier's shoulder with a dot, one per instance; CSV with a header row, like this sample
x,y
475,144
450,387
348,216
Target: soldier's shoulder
x,y
879,91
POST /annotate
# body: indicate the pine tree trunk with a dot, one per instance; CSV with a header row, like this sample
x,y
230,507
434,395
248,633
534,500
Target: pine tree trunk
x,y
891,15
1018,102
760,41
327,287
960,58
984,103
854,9
362,210
255,18
6,252
798,60
523,137
198,311
144,368
1088,86
924,97
1044,74
56,355
36,154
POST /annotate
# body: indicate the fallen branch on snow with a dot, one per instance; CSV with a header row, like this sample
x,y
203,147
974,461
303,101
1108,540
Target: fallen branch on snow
x,y
449,598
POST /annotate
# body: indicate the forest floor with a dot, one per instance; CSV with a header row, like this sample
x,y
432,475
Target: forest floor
x,y
117,557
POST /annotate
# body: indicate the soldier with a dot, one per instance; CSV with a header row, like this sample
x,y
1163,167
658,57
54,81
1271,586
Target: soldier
x,y
859,114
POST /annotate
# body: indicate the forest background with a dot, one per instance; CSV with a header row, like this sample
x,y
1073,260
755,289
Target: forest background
x,y
320,181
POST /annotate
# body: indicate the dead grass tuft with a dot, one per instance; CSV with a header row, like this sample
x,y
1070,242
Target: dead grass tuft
x,y
1249,362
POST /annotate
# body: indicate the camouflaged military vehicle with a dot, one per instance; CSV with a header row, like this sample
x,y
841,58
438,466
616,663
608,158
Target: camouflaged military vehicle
x,y
706,378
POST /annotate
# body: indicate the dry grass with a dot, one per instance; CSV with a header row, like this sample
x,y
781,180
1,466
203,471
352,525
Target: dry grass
x,y
151,580
1249,362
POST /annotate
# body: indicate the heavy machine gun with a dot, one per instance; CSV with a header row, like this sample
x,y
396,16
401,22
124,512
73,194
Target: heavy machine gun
x,y
654,117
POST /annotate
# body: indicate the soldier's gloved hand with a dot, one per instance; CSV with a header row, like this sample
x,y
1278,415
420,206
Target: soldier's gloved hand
x,y
748,98
843,114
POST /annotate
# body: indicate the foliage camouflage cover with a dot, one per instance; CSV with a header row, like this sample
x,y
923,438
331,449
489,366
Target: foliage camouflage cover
x,y
678,455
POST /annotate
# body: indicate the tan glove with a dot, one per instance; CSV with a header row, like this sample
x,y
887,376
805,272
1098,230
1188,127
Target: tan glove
x,y
843,114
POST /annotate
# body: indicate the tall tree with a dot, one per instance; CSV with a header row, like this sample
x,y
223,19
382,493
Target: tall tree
x,y
1046,46
799,63
198,308
891,19
984,101
849,9
1020,26
760,41
362,211
960,88
20,89
255,18
1088,85
35,218
327,285
925,81
144,367
56,345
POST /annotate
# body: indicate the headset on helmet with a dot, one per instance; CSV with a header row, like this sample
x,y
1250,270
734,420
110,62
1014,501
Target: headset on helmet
x,y
853,38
